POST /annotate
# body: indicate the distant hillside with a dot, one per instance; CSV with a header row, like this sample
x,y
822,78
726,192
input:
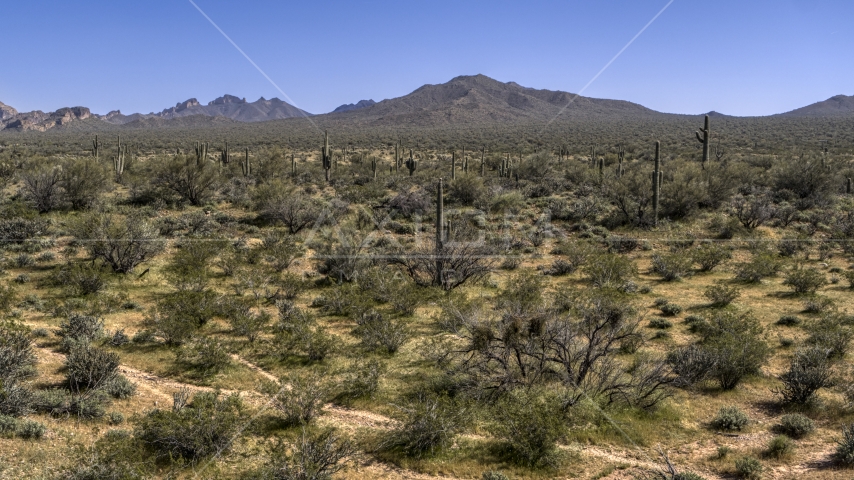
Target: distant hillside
x,y
227,106
356,106
480,99
833,106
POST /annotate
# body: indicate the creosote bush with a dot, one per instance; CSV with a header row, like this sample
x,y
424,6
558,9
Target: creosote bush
x,y
317,455
796,425
804,281
730,418
428,424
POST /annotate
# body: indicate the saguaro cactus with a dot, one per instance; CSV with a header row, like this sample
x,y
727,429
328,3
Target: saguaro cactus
x,y
293,165
707,134
224,155
245,166
620,156
848,186
440,237
656,182
411,164
326,155
119,161
96,147
397,156
201,152
374,166
453,165
482,161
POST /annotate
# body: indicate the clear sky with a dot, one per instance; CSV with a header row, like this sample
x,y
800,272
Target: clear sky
x,y
740,57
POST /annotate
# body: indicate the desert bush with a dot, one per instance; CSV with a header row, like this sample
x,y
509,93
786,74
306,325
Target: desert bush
x,y
30,429
805,280
670,309
530,425
17,358
189,266
60,403
409,203
19,229
279,203
831,333
759,267
721,295
729,419
609,270
291,285
845,446
737,345
41,183
280,249
89,367
80,279
467,190
779,447
691,365
299,398
119,338
244,322
120,387
15,399
362,380
123,242
82,181
753,210
207,355
115,418
317,455
796,425
809,371
80,330
179,314
818,304
194,181
494,475
381,333
674,266
448,267
428,424
660,323
749,468
207,426
710,255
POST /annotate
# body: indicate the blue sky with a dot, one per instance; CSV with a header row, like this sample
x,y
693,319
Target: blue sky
x,y
739,57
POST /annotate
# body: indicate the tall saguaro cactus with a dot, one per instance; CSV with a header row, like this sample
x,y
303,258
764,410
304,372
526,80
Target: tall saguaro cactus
x,y
453,165
293,165
705,139
482,161
374,166
96,147
411,164
119,161
326,155
620,156
593,156
656,182
224,157
201,152
440,225
245,166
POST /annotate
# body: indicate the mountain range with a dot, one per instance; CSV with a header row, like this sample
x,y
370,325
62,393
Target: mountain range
x,y
473,99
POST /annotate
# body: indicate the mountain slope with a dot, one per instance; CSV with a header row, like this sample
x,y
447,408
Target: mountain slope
x,y
480,99
356,106
833,106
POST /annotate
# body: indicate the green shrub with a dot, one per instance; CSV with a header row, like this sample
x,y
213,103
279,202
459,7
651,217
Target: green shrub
x,y
205,354
671,309
687,476
317,455
710,255
88,367
831,333
808,372
779,447
361,381
845,446
761,266
674,266
120,387
818,304
207,426
796,425
721,295
428,424
299,398
737,345
730,418
30,429
749,468
80,279
7,425
115,418
805,280
80,329
609,270
530,424
380,333
660,323
493,475
691,365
